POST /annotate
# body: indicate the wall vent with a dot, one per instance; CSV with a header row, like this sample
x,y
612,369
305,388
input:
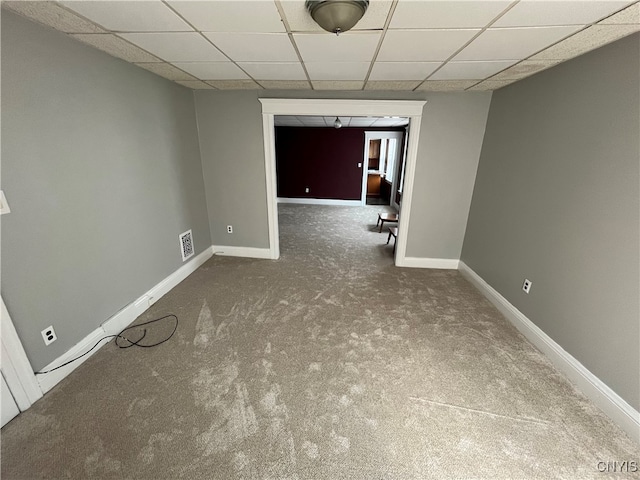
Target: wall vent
x,y
186,245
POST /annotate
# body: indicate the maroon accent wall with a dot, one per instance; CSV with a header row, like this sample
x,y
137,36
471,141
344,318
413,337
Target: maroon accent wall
x,y
323,159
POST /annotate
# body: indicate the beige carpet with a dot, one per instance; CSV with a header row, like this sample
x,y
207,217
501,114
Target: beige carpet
x,y
330,363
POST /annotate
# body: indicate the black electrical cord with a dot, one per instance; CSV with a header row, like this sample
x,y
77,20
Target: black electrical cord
x,y
119,336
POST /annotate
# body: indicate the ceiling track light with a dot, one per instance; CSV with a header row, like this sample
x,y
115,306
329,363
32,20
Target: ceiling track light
x,y
337,16
337,123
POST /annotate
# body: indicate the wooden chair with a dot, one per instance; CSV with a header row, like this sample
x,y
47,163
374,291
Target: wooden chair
x,y
386,217
393,232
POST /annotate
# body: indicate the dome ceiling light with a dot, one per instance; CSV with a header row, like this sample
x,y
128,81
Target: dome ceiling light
x,y
337,16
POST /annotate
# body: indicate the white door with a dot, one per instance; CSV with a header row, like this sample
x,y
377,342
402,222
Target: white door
x,y
7,403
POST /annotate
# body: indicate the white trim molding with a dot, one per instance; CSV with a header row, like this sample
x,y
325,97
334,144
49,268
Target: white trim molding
x,y
248,252
268,135
346,108
117,323
602,395
441,263
341,108
320,201
15,365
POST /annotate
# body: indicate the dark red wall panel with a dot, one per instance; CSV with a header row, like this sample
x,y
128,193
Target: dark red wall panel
x,y
323,159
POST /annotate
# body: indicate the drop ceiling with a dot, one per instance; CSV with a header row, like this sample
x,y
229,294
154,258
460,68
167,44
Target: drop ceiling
x,y
406,45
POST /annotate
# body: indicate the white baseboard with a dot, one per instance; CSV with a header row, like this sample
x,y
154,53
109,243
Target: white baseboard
x,y
417,262
320,201
249,252
604,397
117,323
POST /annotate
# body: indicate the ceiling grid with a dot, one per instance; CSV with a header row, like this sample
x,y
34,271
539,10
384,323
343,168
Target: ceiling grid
x,y
403,45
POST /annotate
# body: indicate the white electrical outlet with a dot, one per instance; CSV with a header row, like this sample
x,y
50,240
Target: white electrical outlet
x,y
229,228
526,286
306,190
49,335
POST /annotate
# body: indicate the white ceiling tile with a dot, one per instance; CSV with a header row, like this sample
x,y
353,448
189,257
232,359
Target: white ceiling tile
x,y
53,15
167,71
422,45
130,16
440,14
300,20
392,85
289,120
524,69
326,47
628,16
512,43
274,71
234,84
390,121
337,71
336,85
538,13
491,85
403,70
470,70
312,121
255,47
212,70
179,47
585,41
195,84
231,16
285,84
446,85
115,46
361,121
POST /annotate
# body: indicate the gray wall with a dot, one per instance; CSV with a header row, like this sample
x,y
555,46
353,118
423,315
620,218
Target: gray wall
x,y
231,141
451,136
101,168
556,201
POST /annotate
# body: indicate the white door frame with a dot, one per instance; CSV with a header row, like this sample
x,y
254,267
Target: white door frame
x,y
406,133
341,108
15,365
373,135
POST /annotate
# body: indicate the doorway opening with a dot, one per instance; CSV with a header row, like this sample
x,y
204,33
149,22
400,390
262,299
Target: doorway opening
x,y
412,110
384,158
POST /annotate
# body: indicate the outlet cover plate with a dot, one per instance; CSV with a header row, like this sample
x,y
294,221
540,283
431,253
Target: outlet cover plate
x,y
526,286
49,335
